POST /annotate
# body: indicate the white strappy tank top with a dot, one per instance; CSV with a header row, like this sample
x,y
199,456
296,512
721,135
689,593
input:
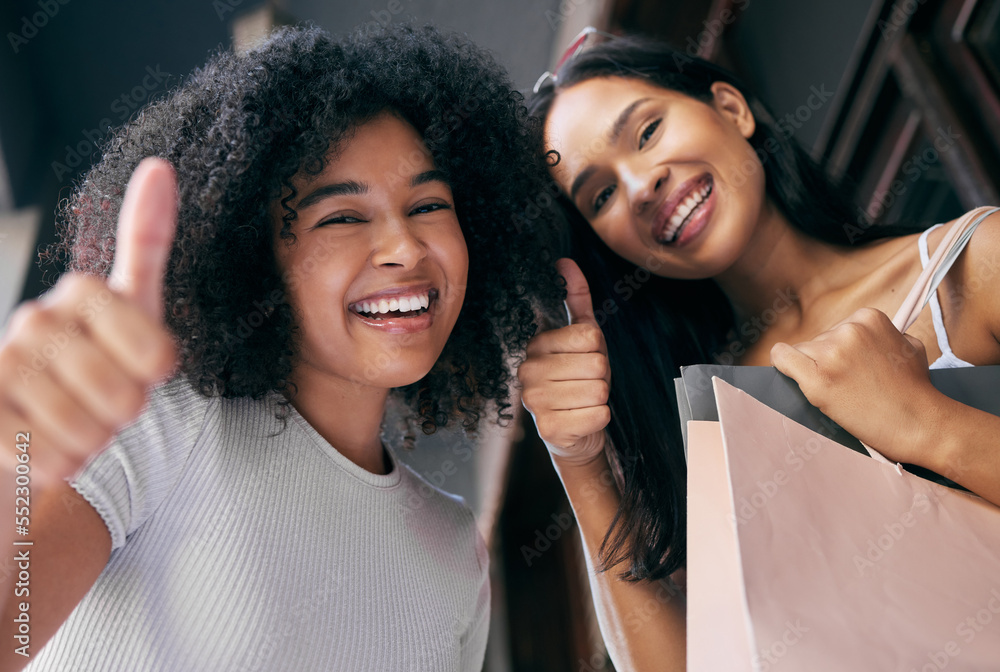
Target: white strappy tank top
x,y
948,359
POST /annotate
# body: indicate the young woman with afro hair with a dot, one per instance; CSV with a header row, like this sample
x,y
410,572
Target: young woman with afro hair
x,y
309,230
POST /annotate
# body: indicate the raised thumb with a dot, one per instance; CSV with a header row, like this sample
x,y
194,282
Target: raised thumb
x,y
146,227
579,305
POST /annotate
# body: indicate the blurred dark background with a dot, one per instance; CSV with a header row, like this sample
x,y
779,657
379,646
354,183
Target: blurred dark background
x,y
899,98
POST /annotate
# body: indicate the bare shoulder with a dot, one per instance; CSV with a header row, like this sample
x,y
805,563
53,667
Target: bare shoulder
x,y
979,266
973,284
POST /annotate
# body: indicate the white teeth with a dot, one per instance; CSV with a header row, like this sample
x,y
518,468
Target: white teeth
x,y
687,206
404,304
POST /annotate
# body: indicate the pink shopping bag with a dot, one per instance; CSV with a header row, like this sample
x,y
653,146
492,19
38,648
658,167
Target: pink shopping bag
x,y
806,555
841,562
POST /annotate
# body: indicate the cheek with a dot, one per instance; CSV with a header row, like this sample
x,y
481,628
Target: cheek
x,y
745,178
454,255
618,232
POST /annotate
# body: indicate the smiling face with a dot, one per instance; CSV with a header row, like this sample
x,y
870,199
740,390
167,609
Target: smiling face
x,y
667,181
377,273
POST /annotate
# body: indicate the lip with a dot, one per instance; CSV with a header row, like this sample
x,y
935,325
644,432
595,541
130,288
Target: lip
x,y
399,325
661,220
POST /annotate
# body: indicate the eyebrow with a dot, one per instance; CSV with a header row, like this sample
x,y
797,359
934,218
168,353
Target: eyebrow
x,y
613,137
429,176
353,188
349,188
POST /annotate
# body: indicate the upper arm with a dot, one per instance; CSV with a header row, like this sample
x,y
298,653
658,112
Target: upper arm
x,y
979,281
71,546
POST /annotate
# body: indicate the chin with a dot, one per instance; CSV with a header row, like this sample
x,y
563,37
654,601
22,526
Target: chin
x,y
399,378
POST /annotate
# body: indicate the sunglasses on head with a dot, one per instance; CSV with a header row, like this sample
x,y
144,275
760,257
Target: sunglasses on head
x,y
588,37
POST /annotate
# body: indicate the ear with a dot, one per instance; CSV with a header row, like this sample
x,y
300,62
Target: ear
x,y
731,104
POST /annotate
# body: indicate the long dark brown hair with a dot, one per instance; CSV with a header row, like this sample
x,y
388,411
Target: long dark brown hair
x,y
655,325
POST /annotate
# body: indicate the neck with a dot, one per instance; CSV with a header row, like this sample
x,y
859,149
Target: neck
x,y
785,271
347,415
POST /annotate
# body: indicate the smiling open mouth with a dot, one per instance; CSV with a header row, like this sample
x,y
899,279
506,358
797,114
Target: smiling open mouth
x,y
412,305
685,212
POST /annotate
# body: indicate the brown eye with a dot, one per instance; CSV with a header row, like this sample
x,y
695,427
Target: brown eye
x,y
429,207
647,133
343,219
603,197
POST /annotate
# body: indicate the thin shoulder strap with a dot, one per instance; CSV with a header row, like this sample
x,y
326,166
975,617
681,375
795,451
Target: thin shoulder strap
x,y
939,265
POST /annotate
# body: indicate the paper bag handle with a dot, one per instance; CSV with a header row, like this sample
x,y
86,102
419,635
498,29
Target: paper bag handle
x,y
939,265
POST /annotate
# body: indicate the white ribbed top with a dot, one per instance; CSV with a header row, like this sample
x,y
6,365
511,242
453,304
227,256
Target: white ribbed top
x,y
239,546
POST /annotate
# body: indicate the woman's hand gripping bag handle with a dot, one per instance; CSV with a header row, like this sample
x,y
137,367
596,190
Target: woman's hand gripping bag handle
x,y
927,283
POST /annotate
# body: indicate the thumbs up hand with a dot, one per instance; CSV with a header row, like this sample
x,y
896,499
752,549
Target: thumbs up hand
x,y
76,365
566,378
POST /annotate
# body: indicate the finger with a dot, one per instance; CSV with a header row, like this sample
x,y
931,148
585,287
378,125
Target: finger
x,y
579,304
564,366
140,349
48,408
576,338
917,349
567,395
792,361
146,228
565,428
871,317
135,344
97,384
915,342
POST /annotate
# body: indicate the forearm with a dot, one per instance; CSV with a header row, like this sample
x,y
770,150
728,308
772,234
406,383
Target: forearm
x,y
70,546
643,622
963,444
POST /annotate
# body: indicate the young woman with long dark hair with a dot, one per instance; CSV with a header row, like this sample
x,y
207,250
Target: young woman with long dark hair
x,y
705,233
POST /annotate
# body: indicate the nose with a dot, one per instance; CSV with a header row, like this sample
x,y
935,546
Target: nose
x,y
641,185
395,243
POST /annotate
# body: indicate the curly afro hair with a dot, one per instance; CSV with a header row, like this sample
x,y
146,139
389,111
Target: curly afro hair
x,y
242,126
